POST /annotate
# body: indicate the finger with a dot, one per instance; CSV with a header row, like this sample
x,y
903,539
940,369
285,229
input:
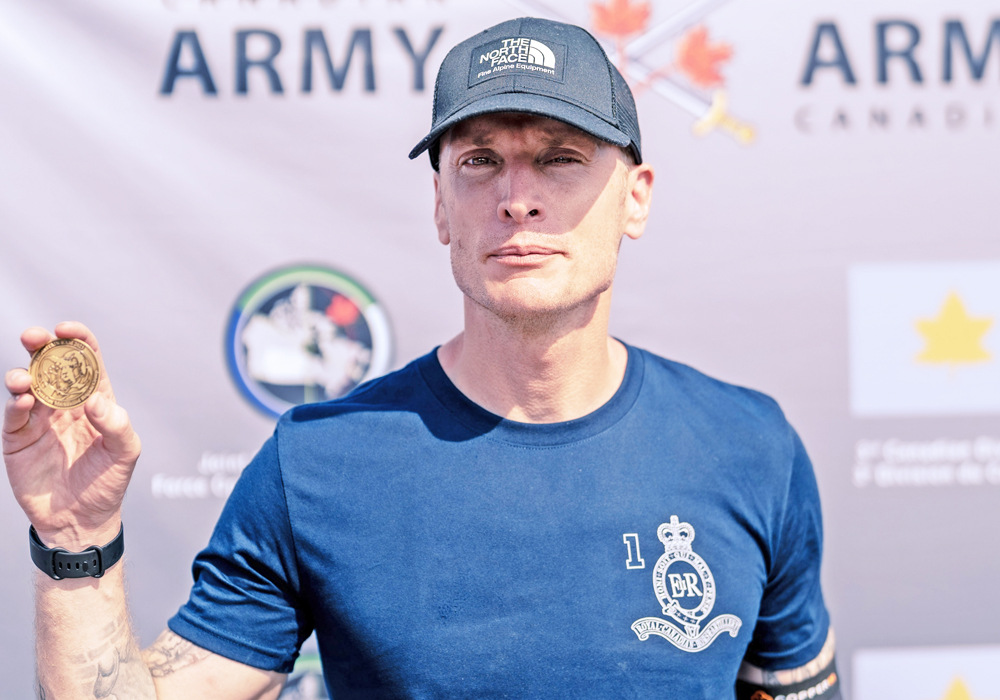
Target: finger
x,y
111,420
74,329
17,412
34,338
17,381
18,409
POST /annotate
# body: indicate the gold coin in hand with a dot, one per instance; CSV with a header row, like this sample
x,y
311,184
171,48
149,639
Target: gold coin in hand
x,y
64,373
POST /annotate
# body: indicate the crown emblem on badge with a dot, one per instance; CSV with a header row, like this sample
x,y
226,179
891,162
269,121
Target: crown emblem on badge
x,y
685,588
675,534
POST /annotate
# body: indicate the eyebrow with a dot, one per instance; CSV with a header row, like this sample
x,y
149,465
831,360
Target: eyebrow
x,y
483,137
479,137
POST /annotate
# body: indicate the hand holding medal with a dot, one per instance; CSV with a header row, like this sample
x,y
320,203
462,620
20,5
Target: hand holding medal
x,y
69,448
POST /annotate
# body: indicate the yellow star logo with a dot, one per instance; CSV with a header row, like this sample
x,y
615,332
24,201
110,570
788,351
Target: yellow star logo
x,y
953,336
957,691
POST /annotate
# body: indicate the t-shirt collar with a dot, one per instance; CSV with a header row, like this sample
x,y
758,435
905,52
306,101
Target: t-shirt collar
x,y
494,427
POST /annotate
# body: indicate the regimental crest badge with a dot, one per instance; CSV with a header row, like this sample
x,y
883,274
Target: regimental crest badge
x,y
685,587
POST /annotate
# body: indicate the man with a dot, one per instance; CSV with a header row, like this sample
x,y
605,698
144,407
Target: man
x,y
484,522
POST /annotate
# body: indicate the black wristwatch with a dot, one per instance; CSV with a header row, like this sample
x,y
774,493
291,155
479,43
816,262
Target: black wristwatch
x,y
60,564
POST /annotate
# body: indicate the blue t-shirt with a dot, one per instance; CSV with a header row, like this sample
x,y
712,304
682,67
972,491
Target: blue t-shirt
x,y
440,551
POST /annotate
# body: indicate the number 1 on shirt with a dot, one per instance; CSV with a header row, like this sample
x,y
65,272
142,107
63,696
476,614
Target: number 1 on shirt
x,y
631,539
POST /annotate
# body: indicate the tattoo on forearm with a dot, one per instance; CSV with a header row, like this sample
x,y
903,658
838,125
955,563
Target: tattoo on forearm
x,y
111,669
106,679
122,674
170,653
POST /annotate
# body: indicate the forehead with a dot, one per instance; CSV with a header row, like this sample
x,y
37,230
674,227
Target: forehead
x,y
488,129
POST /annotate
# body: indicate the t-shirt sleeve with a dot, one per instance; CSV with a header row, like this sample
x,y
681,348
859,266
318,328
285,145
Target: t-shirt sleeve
x,y
245,601
793,622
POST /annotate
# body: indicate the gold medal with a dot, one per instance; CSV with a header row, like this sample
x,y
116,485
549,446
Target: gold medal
x,y
64,373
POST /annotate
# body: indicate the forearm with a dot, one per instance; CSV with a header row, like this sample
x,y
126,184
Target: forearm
x,y
69,470
84,643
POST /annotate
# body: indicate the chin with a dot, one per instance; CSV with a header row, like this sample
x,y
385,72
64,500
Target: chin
x,y
533,296
532,303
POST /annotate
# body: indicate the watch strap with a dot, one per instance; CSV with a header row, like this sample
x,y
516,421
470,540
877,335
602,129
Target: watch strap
x,y
59,563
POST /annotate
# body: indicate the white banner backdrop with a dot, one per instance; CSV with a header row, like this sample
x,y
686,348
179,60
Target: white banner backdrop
x,y
163,163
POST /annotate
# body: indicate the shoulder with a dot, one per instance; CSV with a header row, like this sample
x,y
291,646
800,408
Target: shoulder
x,y
386,411
394,392
675,384
733,425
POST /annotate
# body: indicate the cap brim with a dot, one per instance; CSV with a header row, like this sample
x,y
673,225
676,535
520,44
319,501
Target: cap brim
x,y
528,103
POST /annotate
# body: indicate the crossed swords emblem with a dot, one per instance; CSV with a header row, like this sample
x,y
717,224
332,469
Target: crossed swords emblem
x,y
633,62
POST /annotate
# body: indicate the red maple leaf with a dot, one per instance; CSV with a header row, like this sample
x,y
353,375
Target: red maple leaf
x,y
342,311
620,18
701,60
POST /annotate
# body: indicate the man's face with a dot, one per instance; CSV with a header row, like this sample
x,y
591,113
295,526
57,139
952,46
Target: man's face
x,y
534,211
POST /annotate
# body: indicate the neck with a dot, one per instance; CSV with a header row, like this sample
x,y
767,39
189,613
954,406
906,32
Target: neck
x,y
540,370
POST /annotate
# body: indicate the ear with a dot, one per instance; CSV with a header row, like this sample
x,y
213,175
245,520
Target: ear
x,y
440,215
638,197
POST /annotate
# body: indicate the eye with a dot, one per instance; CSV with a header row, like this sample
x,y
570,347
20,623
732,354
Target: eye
x,y
478,160
563,158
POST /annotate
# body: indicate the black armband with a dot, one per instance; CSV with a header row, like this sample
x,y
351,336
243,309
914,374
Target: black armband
x,y
825,685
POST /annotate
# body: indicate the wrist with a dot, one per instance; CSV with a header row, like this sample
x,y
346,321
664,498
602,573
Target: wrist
x,y
92,562
76,537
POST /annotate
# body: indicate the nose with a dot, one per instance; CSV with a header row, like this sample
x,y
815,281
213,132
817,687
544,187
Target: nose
x,y
520,198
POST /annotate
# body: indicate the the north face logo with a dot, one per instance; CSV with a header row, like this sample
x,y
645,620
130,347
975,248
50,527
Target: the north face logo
x,y
520,50
520,55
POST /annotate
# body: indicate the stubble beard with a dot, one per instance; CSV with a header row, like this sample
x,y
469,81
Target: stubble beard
x,y
556,316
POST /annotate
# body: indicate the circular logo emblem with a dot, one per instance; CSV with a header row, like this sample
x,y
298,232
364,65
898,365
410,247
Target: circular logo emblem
x,y
303,334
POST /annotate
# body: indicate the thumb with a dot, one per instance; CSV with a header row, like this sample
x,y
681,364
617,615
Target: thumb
x,y
112,422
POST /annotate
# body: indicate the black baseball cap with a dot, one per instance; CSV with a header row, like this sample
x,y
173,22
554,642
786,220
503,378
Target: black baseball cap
x,y
535,66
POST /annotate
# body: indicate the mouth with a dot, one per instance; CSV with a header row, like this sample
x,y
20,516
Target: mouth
x,y
522,255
